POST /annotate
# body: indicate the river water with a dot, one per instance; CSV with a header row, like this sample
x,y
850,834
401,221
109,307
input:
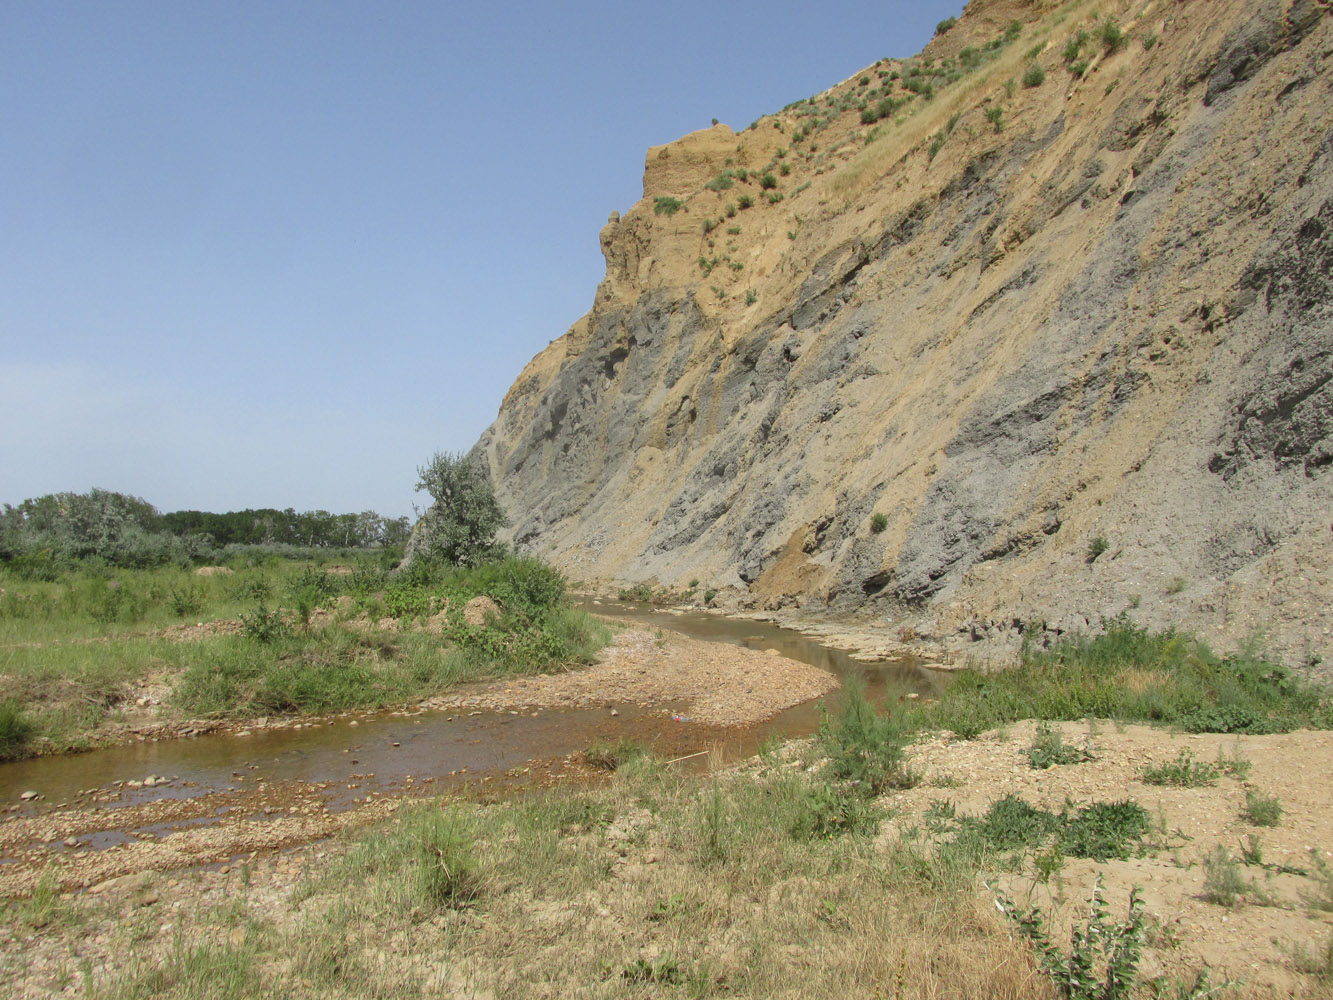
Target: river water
x,y
391,752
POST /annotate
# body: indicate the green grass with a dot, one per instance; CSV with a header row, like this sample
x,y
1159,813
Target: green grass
x,y
69,666
1132,675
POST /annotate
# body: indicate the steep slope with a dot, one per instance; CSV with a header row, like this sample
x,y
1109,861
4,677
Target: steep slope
x,y
1007,315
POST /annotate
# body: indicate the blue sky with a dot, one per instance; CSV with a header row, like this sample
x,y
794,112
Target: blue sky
x,y
277,254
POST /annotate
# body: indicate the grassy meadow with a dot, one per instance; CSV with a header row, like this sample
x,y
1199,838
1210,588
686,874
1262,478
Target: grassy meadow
x,y
82,646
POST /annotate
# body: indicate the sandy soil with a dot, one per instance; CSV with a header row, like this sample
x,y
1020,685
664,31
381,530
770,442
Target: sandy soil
x,y
710,682
1259,943
1254,942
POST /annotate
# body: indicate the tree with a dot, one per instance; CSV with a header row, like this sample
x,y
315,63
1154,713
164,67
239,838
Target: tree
x,y
460,526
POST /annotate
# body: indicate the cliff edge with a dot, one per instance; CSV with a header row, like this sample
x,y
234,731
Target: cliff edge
x,y
1033,328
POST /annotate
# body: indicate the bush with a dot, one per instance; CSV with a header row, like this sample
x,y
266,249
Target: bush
x,y
768,182
15,730
1096,547
1103,958
1105,830
945,25
666,205
459,527
865,748
878,523
1112,37
1034,76
744,201
1261,809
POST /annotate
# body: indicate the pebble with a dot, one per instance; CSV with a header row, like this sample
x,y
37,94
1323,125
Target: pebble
x,y
29,795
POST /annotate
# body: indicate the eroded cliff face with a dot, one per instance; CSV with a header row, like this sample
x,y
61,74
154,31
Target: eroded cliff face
x,y
1014,319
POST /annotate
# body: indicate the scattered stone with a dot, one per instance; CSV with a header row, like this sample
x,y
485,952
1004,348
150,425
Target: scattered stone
x,y
30,795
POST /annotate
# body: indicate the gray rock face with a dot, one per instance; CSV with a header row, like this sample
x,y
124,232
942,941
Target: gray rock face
x,y
1112,320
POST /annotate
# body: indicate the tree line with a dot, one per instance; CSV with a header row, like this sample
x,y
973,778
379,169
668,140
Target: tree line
x,y
129,531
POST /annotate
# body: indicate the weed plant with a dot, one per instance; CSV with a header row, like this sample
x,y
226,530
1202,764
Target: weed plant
x,y
1133,675
1183,772
1261,809
1049,749
1103,957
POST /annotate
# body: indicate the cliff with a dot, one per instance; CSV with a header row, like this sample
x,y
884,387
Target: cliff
x,y
1032,328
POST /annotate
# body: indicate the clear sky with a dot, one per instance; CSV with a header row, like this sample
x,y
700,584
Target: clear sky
x,y
277,253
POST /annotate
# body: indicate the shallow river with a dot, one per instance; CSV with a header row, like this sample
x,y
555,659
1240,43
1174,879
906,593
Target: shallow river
x,y
395,751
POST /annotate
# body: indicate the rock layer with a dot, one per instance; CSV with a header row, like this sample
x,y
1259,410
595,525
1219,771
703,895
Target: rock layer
x,y
1007,326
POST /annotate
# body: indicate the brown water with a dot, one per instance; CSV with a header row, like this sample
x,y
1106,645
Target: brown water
x,y
396,751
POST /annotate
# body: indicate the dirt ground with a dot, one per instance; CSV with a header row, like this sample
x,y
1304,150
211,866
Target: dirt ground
x,y
713,683
1257,942
1260,943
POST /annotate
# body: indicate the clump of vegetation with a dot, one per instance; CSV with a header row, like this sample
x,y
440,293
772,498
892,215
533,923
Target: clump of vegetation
x,y
1049,749
865,748
995,115
1183,772
1034,76
609,756
879,522
1096,547
1135,675
945,25
1261,809
15,729
1103,957
667,205
744,201
459,527
1112,36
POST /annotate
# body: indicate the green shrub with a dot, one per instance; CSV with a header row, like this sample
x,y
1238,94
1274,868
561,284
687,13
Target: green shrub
x,y
744,201
1034,76
263,625
878,523
15,729
1112,37
945,25
721,182
1103,958
667,205
1079,68
865,748
1261,809
830,810
1223,882
609,756
1074,47
995,115
459,526
1011,824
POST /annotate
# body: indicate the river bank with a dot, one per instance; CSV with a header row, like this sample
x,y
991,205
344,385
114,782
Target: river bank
x,y
659,880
